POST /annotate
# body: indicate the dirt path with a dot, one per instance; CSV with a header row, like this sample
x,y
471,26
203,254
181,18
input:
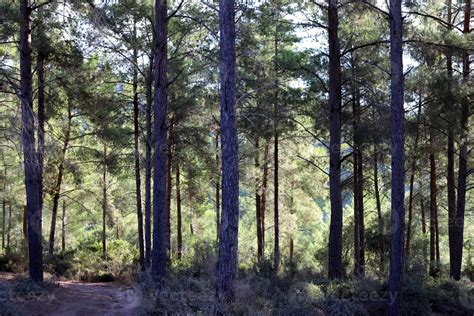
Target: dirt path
x,y
77,298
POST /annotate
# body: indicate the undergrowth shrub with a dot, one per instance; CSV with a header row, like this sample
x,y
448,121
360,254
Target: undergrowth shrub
x,y
425,295
28,290
60,264
120,263
190,289
12,262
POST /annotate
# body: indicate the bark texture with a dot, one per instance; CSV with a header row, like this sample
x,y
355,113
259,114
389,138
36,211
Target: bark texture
x,y
59,179
263,208
41,121
4,219
412,182
30,156
228,238
169,185
63,227
463,158
136,147
434,236
179,219
335,229
258,203
276,183
148,163
104,201
218,189
358,189
451,178
398,160
159,256
380,220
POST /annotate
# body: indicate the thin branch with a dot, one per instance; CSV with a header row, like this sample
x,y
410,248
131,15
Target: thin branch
x,y
314,164
41,4
176,10
440,21
370,5
354,48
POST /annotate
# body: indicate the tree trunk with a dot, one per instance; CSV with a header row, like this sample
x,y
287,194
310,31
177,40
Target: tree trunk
x,y
30,156
361,220
57,186
422,209
9,225
434,245
276,211
104,203
41,120
335,229
355,193
292,250
423,219
218,187
63,227
451,187
25,223
450,172
148,164
463,158
159,259
169,186
258,203
263,200
398,159
358,193
276,190
4,217
380,220
191,215
4,206
136,138
178,213
412,181
228,238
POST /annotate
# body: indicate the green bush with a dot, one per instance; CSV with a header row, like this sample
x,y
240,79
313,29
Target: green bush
x,y
259,293
60,264
97,276
304,297
202,263
445,296
27,289
12,262
427,296
120,263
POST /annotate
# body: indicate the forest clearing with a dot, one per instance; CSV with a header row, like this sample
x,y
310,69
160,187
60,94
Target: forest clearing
x,y
73,298
236,157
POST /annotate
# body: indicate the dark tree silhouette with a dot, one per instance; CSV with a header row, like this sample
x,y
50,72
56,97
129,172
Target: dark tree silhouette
x,y
335,231
228,241
30,155
398,159
160,127
463,158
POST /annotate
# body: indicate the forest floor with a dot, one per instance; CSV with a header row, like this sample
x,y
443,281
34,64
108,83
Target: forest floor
x,y
73,298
